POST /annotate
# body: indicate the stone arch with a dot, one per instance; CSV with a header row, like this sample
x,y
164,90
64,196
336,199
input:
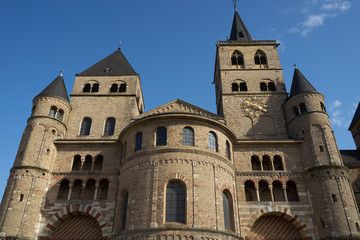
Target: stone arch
x,y
305,232
71,210
246,126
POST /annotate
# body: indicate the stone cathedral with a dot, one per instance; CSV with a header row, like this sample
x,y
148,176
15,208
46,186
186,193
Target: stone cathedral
x,y
265,166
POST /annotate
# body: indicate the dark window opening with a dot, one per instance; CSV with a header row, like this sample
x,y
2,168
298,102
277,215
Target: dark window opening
x,y
89,191
21,197
250,191
95,87
98,163
291,191
109,126
278,165
234,87
322,107
64,190
237,58
267,166
303,108
103,189
188,136
263,86
321,148
357,227
175,202
296,110
228,150
260,58
114,88
124,213
161,135
255,163
322,223
122,87
85,127
264,191
334,198
76,190
77,163
87,163
278,191
87,87
271,86
243,87
138,142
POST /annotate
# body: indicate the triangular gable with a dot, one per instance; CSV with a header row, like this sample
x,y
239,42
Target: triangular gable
x,y
179,106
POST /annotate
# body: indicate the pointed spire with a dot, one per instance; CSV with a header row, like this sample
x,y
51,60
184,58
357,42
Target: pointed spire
x,y
356,116
113,65
56,89
238,30
300,84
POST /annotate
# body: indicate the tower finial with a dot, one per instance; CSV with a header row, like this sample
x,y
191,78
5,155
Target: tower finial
x,y
235,2
61,73
295,66
119,45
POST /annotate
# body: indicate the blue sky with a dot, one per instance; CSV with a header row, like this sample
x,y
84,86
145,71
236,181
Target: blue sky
x,y
171,44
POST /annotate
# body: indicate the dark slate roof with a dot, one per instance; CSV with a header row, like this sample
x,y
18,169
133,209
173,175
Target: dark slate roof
x,y
56,89
238,30
356,116
113,65
350,157
300,84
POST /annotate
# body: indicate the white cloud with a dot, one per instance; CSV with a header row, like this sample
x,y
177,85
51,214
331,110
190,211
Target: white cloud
x,y
314,20
335,105
336,6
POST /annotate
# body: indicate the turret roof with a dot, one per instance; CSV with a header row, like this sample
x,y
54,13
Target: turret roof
x,y
56,89
238,30
356,116
113,65
300,84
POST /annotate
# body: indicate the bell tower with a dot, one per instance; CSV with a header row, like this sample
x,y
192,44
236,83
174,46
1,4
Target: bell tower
x,y
249,85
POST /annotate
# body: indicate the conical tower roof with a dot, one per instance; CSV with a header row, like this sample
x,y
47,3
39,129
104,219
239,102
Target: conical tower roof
x,y
356,116
300,84
238,30
113,65
56,89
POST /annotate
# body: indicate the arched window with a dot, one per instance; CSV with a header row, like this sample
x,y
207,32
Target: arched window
x,y
357,227
64,190
228,150
260,58
296,110
228,210
334,198
95,87
122,87
109,126
271,86
87,163
255,163
53,111
77,163
98,163
124,209
237,58
250,191
278,191
114,88
291,191
322,107
266,163
85,127
243,87
175,202
87,87
263,86
234,87
278,165
303,108
264,191
213,145
103,189
188,136
161,136
59,114
138,142
322,223
76,190
89,191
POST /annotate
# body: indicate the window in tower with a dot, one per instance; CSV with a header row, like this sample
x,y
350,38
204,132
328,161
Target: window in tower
x,y
278,191
237,58
334,198
161,135
255,163
138,142
85,127
213,145
303,108
357,227
250,191
228,150
77,163
114,88
271,86
87,87
52,112
21,197
263,86
322,223
321,148
291,191
95,87
266,162
109,126
296,110
175,202
103,189
228,210
89,191
64,190
322,107
278,165
76,190
243,87
98,163
59,114
188,136
234,87
260,59
264,191
124,209
87,163
122,87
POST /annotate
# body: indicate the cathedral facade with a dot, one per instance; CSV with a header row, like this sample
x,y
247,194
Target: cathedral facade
x,y
266,166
